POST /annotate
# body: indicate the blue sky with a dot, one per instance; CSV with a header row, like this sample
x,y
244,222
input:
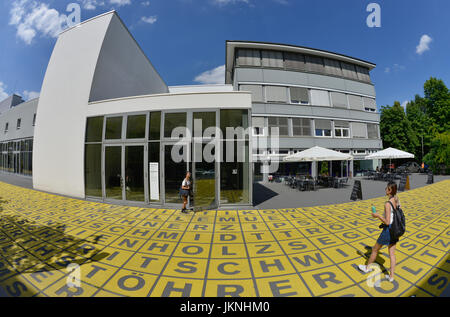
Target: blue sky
x,y
186,38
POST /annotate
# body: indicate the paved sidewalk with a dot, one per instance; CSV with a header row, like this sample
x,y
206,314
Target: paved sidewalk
x,y
133,251
278,195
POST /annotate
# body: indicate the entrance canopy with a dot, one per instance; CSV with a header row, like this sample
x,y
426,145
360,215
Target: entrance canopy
x,y
318,153
389,153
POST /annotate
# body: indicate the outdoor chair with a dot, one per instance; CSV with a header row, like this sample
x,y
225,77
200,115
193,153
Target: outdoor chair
x,y
312,183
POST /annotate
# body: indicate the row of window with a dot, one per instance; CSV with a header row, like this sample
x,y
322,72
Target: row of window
x,y
358,152
19,124
17,157
314,127
302,63
17,146
306,96
135,126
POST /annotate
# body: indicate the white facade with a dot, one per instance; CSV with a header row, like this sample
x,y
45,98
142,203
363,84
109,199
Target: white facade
x,y
25,112
97,69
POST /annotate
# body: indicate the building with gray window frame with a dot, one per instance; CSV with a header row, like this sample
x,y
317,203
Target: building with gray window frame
x,y
314,97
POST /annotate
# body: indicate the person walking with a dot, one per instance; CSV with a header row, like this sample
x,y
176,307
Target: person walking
x,y
385,238
185,191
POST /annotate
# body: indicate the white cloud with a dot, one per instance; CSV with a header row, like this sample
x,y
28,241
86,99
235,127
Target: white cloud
x,y
225,2
28,95
31,18
92,4
3,93
150,20
145,3
213,76
394,68
120,2
424,44
283,2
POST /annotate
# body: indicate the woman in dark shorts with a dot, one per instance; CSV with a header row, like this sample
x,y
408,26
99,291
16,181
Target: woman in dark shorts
x,y
385,237
184,191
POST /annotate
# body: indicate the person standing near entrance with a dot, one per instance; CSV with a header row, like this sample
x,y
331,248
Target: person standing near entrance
x,y
185,191
385,237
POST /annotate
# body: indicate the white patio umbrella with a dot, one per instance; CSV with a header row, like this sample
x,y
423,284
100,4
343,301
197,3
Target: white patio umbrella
x,y
316,154
389,153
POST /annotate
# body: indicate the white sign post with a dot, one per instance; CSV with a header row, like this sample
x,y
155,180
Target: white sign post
x,y
154,181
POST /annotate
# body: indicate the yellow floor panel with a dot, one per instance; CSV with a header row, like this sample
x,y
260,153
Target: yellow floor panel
x,y
48,242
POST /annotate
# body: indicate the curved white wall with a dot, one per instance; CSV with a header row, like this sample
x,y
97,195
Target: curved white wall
x,y
60,123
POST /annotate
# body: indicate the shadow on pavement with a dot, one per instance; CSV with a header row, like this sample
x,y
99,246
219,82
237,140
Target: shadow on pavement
x,y
27,247
261,194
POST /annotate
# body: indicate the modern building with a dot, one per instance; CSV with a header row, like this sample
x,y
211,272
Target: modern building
x,y
314,97
107,127
17,123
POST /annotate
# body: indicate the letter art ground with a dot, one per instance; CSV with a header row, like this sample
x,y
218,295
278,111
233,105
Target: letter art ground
x,y
132,251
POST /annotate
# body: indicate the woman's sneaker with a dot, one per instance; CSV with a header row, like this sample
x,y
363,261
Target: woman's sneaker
x,y
364,268
185,211
389,278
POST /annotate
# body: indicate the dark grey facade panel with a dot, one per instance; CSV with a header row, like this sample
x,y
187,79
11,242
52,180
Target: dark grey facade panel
x,y
349,70
332,67
294,61
272,59
314,64
248,57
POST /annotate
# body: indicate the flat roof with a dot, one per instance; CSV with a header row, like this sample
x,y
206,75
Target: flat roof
x,y
232,45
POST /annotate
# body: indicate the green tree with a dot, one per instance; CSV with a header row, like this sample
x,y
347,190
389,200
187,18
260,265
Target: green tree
x,y
324,168
439,156
437,97
421,125
396,130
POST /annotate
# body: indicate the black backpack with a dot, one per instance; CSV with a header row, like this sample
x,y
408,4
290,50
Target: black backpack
x,y
398,225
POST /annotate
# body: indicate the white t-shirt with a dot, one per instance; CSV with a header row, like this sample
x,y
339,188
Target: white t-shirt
x,y
185,183
392,212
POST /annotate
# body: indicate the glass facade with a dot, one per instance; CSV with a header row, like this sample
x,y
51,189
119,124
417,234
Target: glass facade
x,y
93,169
139,163
17,157
136,127
113,128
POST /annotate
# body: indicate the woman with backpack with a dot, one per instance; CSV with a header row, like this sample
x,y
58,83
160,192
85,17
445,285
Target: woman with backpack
x,y
385,237
185,191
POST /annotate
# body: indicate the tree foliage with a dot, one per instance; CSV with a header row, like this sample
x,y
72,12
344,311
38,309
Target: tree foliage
x,y
426,122
396,130
439,156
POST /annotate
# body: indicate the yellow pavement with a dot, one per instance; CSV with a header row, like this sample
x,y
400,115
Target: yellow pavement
x,y
159,252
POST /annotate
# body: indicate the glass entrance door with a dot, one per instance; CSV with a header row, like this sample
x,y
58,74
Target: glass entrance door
x,y
124,172
134,173
113,172
175,167
204,173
